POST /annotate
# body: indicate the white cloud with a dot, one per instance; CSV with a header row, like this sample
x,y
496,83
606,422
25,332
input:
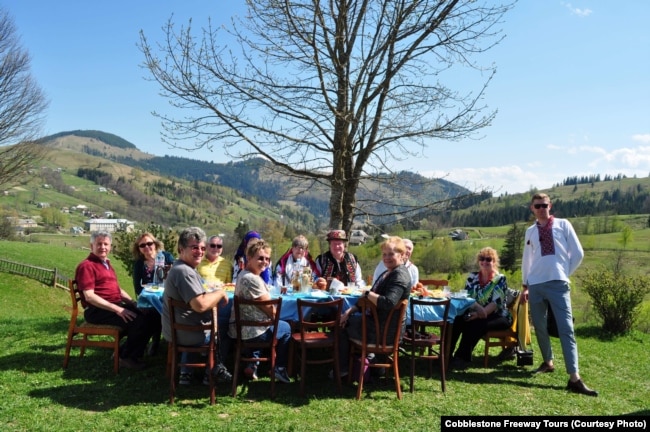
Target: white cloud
x,y
497,179
578,11
644,138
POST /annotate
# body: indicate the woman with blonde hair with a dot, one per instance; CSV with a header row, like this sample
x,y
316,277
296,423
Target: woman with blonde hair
x,y
490,312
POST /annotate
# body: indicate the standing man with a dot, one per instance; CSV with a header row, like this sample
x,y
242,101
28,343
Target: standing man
x,y
214,268
184,283
412,268
104,302
552,252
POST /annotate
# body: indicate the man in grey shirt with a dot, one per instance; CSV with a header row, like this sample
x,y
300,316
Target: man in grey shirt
x,y
185,284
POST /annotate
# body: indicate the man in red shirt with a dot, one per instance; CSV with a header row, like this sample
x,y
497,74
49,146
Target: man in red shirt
x,y
104,302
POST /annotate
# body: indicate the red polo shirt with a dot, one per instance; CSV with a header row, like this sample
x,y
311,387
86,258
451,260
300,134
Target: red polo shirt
x,y
92,274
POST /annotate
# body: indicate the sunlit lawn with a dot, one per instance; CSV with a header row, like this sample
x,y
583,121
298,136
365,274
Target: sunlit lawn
x,y
37,394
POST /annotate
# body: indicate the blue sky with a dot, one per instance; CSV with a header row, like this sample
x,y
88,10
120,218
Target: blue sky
x,y
572,88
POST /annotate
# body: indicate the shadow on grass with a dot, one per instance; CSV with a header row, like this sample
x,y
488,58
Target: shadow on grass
x,y
504,374
594,332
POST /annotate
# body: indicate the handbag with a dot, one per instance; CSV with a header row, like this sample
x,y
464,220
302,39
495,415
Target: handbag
x,y
524,357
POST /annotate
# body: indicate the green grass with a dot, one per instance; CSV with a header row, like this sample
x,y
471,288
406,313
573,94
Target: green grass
x,y
39,395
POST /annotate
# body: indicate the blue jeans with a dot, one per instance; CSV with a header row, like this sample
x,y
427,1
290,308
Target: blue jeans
x,y
557,294
282,349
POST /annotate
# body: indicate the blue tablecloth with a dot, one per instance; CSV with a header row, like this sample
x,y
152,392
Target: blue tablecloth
x,y
289,312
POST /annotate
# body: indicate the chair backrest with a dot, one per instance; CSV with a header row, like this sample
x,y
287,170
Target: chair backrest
x,y
174,304
439,283
75,297
417,319
240,322
370,318
333,325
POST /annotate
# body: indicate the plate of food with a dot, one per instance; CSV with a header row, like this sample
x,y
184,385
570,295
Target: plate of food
x,y
229,287
154,288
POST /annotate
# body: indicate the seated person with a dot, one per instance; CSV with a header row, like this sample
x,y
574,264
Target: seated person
x,y
490,312
250,285
412,268
144,249
239,262
295,259
392,286
214,269
337,263
184,283
104,302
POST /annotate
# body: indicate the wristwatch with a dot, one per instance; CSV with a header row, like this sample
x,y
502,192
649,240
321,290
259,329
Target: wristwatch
x,y
366,294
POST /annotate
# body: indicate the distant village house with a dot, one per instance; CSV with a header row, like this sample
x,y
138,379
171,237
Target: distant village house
x,y
110,225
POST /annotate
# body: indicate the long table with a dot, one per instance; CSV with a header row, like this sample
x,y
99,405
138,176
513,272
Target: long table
x,y
289,312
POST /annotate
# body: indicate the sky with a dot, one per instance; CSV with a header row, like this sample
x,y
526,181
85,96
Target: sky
x,y
572,87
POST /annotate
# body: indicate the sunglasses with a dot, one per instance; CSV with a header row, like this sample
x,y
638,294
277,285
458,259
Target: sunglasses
x,y
144,245
486,259
198,248
218,246
267,259
539,206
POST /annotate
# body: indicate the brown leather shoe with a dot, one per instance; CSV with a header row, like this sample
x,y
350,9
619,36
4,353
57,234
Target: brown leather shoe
x,y
545,368
580,387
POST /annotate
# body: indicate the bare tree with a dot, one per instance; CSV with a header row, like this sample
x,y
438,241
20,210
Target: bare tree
x,y
329,91
22,104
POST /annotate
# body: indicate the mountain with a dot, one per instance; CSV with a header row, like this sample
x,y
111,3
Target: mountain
x,y
254,178
175,191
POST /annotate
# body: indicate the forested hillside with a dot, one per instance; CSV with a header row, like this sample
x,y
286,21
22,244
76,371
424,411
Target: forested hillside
x,y
221,185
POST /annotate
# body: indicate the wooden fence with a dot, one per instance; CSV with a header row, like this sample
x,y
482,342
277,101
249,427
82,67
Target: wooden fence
x,y
49,277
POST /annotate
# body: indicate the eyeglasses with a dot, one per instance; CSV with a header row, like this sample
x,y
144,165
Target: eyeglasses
x,y
486,259
539,206
144,245
196,248
218,246
300,247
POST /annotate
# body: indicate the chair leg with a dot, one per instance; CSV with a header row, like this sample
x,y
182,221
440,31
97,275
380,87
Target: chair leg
x,y
172,377
116,355
66,357
361,373
443,367
398,386
235,375
486,354
303,370
412,367
210,376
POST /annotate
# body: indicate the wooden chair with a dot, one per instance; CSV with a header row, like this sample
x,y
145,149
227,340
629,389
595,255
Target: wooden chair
x,y
504,338
316,336
90,333
242,346
174,348
382,346
424,345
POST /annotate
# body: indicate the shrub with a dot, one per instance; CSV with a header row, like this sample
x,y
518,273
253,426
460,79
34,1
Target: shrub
x,y
616,298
